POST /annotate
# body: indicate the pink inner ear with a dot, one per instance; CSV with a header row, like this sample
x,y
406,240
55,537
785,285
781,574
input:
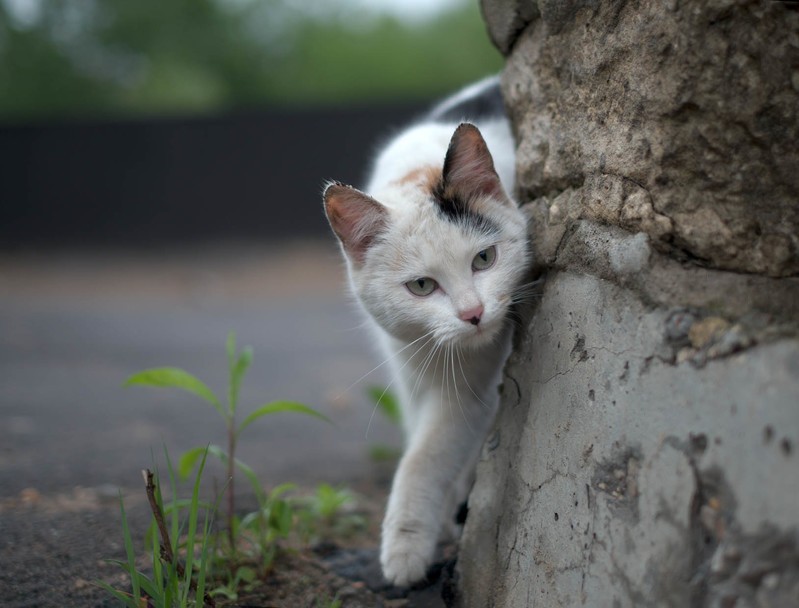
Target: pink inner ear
x,y
355,217
469,167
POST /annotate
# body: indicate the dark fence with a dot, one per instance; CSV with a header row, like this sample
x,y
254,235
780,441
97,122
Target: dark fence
x,y
254,176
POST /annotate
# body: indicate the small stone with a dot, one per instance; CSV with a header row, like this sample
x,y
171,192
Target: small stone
x,y
708,516
30,496
706,331
602,485
679,323
771,581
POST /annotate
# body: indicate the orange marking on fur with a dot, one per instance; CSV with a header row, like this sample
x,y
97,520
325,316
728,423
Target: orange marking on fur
x,y
426,177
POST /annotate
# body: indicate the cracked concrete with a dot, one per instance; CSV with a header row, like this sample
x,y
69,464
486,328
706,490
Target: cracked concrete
x,y
599,475
645,449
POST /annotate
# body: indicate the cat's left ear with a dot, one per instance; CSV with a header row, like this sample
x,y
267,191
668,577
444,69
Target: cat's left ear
x,y
469,167
356,218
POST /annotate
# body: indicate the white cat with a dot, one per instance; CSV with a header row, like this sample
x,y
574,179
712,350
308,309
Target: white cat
x,y
435,250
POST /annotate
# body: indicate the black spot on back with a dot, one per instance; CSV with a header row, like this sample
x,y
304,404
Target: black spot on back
x,y
487,104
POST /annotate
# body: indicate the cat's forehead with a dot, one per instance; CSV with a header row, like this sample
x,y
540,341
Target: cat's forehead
x,y
422,238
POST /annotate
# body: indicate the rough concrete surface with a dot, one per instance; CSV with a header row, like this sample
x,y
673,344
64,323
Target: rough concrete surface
x,y
645,453
620,477
677,120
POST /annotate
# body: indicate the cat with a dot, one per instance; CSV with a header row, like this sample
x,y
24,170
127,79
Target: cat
x,y
435,251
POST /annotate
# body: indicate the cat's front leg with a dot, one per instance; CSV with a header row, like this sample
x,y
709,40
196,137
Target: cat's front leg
x,y
421,493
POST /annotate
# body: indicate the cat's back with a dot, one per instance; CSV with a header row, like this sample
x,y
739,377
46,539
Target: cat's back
x,y
423,146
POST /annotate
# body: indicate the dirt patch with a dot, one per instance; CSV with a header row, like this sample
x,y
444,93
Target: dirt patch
x,y
53,549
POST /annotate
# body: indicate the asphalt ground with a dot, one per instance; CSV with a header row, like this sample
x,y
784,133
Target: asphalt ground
x,y
75,325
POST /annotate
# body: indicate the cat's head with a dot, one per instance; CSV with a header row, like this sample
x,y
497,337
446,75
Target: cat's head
x,y
441,252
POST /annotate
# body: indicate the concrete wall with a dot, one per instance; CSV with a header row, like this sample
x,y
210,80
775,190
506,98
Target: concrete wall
x,y
646,450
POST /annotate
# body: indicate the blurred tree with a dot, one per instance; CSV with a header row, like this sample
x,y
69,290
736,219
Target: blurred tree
x,y
152,56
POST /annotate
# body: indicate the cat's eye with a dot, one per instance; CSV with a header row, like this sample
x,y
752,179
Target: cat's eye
x,y
485,258
422,286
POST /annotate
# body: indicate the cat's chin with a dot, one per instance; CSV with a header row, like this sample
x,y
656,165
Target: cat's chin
x,y
480,335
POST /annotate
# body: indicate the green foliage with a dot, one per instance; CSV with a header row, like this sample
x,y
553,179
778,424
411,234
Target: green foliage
x,y
251,542
172,584
173,377
238,364
384,453
324,514
327,602
387,403
151,56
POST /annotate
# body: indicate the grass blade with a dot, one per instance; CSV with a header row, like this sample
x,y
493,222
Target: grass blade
x,y
237,372
280,406
188,459
230,347
129,551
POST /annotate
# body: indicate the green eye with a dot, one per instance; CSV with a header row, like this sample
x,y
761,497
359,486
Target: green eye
x,y
485,258
423,286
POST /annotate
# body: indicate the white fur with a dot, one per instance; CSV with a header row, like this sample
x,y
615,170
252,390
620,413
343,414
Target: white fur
x,y
446,370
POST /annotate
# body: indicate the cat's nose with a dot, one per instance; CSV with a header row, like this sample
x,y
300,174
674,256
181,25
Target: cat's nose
x,y
472,315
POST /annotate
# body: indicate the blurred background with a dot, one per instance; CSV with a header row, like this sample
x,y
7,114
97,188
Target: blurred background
x,y
161,164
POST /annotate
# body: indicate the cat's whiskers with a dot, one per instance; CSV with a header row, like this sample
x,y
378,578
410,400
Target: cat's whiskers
x,y
424,367
465,379
445,375
392,357
430,337
365,323
453,351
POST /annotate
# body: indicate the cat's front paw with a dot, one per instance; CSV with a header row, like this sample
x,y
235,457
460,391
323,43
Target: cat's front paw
x,y
405,557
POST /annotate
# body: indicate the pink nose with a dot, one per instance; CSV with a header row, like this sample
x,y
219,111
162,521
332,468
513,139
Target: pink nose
x,y
472,315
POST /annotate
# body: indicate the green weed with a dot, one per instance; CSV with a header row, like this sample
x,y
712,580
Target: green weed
x,y
174,583
327,602
250,543
326,514
387,404
238,363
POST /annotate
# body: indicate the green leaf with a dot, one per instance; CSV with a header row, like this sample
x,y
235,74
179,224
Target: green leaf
x,y
384,453
281,489
246,574
280,406
252,478
386,403
230,347
194,511
188,460
126,599
190,457
237,372
173,377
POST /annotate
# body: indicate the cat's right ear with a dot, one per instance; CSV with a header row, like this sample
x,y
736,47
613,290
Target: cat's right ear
x,y
356,218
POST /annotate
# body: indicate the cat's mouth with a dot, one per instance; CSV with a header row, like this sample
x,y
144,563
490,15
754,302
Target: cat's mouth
x,y
479,334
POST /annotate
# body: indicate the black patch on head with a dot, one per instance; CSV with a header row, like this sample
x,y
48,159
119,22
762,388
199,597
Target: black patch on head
x,y
454,209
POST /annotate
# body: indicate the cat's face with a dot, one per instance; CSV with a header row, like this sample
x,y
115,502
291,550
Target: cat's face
x,y
442,251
